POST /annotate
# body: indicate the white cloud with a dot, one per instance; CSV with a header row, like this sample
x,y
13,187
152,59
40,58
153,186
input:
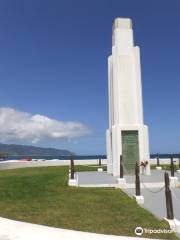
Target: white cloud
x,y
23,126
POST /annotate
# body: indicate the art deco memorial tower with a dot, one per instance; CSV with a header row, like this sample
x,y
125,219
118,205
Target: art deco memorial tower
x,y
127,135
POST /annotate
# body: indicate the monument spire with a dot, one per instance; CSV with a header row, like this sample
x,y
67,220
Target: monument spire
x,y
127,135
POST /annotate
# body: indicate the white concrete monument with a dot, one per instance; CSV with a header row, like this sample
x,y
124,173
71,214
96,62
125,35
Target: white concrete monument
x,y
127,135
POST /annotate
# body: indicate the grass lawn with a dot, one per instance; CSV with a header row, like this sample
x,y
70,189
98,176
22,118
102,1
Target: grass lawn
x,y
41,195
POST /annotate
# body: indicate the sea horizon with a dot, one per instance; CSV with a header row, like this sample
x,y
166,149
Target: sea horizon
x,y
80,157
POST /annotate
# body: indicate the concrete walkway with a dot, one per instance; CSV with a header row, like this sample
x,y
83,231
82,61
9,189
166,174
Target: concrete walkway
x,y
95,179
102,179
15,230
152,188
154,193
154,201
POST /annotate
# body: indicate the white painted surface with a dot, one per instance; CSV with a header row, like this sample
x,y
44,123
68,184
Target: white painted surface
x,y
174,224
121,183
15,230
139,199
125,96
159,168
73,182
100,169
173,181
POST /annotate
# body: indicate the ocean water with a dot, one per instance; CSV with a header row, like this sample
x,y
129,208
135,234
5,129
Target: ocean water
x,y
82,157
76,157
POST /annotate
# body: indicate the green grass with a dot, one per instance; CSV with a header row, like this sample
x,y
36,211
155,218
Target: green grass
x,y
41,195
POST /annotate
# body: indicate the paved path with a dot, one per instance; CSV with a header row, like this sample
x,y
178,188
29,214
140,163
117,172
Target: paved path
x,y
98,179
151,188
155,201
156,176
95,179
154,198
15,230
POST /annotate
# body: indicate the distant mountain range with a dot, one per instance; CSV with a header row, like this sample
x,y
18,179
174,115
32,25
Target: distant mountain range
x,y
24,150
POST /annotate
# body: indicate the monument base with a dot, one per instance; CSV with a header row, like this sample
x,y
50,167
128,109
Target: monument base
x,y
139,199
174,224
73,182
173,181
121,183
158,168
120,139
100,169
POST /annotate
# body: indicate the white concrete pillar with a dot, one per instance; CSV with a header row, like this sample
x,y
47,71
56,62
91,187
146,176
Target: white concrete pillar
x,y
125,100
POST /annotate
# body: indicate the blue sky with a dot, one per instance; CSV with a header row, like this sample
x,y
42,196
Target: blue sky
x,y
53,62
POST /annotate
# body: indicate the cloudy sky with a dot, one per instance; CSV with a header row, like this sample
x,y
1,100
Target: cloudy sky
x,y
28,128
53,71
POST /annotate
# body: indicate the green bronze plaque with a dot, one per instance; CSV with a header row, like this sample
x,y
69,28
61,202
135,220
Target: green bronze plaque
x,y
130,151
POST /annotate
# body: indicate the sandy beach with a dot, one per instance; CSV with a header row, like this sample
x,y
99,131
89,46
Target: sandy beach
x,y
11,164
